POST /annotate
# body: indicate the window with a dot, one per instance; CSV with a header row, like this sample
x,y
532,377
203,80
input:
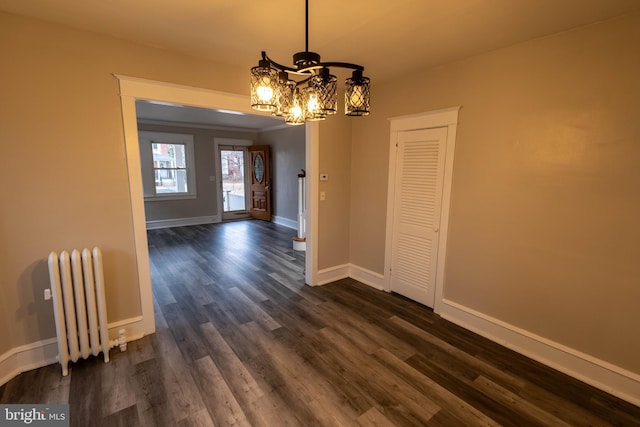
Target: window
x,y
168,169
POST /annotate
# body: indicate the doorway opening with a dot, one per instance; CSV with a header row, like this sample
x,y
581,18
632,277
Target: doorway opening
x,y
232,176
132,89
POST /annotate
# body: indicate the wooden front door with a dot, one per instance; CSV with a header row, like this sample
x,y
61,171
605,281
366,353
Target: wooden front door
x,y
260,190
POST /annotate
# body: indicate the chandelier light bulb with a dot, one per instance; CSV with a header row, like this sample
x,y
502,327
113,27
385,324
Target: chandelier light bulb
x,y
296,111
313,105
295,115
356,97
265,93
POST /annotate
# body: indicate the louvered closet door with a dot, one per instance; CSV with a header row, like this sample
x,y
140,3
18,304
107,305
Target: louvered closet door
x,y
416,217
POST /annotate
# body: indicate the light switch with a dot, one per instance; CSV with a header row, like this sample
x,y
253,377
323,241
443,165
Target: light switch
x,y
323,196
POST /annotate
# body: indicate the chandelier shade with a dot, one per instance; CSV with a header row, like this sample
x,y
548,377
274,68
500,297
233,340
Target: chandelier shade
x,y
308,90
284,96
356,95
325,85
264,87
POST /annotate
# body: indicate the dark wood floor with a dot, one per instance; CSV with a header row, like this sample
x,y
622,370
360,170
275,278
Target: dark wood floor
x,y
242,341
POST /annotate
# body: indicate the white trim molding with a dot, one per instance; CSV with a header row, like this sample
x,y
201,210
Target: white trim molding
x,y
332,274
368,277
45,352
136,197
286,222
312,163
27,357
132,89
593,371
182,222
362,275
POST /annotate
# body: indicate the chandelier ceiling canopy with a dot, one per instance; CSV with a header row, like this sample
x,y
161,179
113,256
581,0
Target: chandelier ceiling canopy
x,y
312,95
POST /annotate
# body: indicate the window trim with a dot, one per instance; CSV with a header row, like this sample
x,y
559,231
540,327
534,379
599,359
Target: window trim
x,y
147,139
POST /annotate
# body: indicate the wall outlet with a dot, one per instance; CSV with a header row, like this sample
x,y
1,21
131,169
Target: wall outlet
x,y
323,196
47,294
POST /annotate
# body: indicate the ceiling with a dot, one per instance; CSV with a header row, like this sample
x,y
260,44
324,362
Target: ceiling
x,y
153,113
388,37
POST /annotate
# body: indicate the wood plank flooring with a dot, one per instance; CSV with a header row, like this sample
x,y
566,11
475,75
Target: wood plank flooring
x,y
241,341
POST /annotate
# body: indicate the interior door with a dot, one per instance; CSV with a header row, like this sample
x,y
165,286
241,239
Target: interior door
x,y
260,189
416,214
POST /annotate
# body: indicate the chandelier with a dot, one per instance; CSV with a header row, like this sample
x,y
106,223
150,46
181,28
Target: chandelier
x,y
312,96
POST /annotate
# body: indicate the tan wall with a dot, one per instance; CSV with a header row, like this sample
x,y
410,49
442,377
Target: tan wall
x,y
64,176
334,212
369,170
544,231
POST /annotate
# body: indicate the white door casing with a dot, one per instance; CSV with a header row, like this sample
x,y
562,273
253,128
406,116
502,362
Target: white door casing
x,y
447,119
131,89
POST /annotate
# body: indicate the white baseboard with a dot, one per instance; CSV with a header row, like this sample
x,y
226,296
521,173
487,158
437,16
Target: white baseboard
x,y
133,326
368,277
27,357
181,222
45,352
290,223
598,373
332,274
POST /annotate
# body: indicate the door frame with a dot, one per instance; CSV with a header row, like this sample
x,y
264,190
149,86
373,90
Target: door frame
x,y
434,119
132,89
231,142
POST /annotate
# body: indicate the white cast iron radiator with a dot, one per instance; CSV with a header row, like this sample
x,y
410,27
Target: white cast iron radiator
x,y
79,307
